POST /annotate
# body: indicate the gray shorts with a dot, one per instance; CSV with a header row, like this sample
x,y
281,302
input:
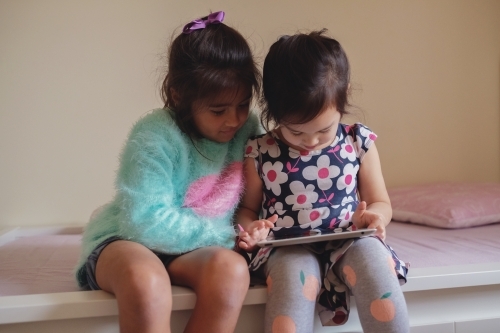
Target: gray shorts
x,y
91,263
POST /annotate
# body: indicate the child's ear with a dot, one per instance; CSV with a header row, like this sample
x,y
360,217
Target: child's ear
x,y
175,96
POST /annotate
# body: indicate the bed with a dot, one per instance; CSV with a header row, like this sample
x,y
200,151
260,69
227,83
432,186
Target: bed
x,y
453,284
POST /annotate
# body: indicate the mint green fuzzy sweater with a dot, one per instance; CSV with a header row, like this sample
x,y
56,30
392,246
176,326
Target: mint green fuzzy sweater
x,y
171,196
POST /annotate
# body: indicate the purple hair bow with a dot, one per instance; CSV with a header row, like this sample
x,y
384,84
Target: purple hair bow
x,y
213,18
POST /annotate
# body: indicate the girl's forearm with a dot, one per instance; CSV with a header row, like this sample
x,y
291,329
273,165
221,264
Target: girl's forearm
x,y
381,208
245,216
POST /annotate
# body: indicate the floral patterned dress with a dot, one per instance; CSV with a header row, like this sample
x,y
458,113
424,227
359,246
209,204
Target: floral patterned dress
x,y
315,190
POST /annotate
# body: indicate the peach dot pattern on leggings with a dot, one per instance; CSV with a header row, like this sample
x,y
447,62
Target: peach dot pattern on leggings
x,y
269,283
310,287
383,309
283,324
350,275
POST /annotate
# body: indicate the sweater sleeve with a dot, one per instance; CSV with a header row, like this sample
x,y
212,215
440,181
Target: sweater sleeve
x,y
149,199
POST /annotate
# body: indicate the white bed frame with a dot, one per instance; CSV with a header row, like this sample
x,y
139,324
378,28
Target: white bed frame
x,y
452,299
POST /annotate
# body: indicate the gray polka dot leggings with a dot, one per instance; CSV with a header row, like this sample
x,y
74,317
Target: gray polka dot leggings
x,y
293,276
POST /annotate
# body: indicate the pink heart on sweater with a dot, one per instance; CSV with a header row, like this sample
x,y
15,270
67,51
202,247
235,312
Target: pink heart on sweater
x,y
215,195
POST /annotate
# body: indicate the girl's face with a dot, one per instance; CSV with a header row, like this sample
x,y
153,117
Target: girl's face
x,y
220,119
315,134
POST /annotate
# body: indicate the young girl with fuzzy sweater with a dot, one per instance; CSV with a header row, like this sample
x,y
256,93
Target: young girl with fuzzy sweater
x,y
177,187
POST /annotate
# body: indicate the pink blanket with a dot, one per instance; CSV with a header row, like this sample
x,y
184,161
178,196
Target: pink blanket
x,y
424,246
39,264
44,264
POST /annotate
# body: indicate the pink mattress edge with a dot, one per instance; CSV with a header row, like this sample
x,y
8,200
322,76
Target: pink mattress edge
x,y
44,264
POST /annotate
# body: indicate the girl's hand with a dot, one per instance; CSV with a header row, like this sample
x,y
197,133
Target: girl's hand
x,y
363,218
254,232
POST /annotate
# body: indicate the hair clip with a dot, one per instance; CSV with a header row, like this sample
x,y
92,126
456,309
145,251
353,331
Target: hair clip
x,y
202,23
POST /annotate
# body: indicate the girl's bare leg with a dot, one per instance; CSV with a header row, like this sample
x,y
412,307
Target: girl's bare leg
x,y
220,279
140,284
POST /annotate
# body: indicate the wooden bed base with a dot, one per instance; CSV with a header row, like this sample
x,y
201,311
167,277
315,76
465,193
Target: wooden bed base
x,y
452,299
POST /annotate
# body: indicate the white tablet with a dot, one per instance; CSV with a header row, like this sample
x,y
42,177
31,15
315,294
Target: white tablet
x,y
314,236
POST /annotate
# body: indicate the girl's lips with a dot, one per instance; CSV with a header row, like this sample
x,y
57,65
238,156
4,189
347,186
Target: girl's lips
x,y
228,131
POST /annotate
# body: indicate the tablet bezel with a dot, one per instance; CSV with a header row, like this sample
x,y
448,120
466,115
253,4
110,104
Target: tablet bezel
x,y
312,238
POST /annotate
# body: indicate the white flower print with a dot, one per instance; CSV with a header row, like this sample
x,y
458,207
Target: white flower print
x,y
277,209
312,217
268,145
343,224
363,130
285,222
274,177
326,284
369,135
322,173
370,139
348,180
302,197
251,150
347,150
347,200
346,216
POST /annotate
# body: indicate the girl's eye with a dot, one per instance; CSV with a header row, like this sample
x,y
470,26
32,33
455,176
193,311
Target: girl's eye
x,y
218,112
325,130
296,133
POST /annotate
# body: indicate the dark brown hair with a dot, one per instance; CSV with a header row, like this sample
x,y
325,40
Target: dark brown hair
x,y
304,74
203,64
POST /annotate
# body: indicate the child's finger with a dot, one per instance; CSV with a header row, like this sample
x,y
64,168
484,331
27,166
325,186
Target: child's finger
x,y
269,222
358,213
247,237
361,207
243,245
377,224
263,224
273,218
245,242
260,225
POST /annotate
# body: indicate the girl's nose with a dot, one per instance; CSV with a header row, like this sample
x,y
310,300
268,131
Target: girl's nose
x,y
311,141
232,119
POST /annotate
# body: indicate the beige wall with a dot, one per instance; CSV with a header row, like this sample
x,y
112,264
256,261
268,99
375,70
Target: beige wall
x,y
75,75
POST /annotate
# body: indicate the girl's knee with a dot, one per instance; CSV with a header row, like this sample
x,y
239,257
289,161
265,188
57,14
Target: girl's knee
x,y
227,263
369,260
369,249
144,284
225,272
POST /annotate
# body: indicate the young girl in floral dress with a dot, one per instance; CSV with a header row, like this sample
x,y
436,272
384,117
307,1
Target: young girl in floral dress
x,y
313,172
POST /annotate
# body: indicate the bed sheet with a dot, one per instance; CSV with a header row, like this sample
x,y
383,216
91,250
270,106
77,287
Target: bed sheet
x,y
44,264
424,246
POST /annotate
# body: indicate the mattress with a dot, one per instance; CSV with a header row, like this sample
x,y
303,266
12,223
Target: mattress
x,y
424,246
37,264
